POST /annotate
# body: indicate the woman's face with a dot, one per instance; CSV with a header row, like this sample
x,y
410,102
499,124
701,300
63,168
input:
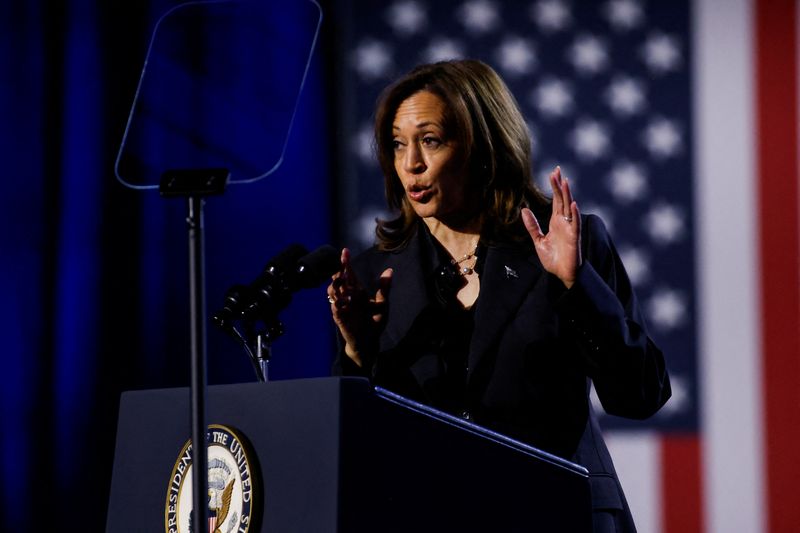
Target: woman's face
x,y
428,160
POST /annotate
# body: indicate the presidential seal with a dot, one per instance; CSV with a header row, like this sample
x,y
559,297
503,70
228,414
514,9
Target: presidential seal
x,y
231,485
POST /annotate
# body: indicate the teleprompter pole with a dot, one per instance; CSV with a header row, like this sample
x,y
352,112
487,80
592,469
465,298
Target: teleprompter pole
x,y
199,374
196,184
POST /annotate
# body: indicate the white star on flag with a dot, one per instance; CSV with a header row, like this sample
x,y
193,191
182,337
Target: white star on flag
x,y
661,53
588,54
627,182
407,18
664,223
624,15
479,16
517,56
553,98
372,59
590,139
666,309
550,15
625,96
662,138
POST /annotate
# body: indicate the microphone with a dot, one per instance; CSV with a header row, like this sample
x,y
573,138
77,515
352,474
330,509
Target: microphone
x,y
289,271
272,290
318,266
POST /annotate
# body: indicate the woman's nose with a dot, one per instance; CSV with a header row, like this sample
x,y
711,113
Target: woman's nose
x,y
414,162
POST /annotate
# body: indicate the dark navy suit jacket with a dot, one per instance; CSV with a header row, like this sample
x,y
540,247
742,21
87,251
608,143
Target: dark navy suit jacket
x,y
536,348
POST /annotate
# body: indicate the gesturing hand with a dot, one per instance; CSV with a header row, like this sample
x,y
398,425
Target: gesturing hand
x,y
359,317
560,250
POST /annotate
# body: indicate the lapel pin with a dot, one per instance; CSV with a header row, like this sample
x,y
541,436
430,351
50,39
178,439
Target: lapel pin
x,y
511,273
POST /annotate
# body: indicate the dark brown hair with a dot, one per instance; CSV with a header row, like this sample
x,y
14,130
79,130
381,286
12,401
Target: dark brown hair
x,y
484,118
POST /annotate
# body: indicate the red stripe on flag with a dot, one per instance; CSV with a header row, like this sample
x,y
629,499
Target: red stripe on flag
x,y
681,485
776,82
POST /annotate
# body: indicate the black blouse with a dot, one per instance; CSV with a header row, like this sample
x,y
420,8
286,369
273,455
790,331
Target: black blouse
x,y
437,345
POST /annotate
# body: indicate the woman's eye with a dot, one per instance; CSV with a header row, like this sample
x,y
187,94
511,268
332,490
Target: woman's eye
x,y
397,145
431,141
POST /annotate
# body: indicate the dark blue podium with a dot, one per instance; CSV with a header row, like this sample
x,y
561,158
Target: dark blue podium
x,y
336,455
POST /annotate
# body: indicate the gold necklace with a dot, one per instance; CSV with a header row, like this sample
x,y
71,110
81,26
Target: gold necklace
x,y
466,270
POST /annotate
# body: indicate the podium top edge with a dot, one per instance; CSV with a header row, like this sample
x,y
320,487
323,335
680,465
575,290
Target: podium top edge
x,y
279,382
482,431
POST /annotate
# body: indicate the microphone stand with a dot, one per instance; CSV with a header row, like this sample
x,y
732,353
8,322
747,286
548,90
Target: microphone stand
x,y
263,354
264,339
196,184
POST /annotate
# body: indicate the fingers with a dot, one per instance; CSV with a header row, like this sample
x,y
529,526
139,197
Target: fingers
x,y
384,286
346,271
343,283
566,193
556,186
564,205
346,293
531,224
331,294
575,213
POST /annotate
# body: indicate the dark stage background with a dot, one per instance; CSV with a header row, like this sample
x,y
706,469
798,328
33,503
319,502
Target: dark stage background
x,y
94,278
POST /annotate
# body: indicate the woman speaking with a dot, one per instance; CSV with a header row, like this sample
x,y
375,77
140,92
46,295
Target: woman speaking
x,y
485,297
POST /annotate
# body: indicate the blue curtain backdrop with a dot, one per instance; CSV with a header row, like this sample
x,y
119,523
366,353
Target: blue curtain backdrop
x,y
94,276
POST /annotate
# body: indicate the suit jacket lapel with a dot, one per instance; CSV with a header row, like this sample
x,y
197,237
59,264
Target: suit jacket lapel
x,y
407,295
508,274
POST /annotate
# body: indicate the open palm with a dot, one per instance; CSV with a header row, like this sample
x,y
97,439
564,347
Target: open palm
x,y
560,249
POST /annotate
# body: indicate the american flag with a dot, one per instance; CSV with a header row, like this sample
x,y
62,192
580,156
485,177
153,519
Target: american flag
x,y
665,116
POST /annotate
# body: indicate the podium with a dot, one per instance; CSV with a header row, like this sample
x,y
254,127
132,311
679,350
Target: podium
x,y
336,455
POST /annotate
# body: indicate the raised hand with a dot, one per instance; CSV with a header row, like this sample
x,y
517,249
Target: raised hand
x,y
359,316
560,249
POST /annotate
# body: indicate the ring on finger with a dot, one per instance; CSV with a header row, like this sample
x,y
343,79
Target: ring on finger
x,y
568,218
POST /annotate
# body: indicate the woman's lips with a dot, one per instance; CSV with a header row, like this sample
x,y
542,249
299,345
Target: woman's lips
x,y
420,194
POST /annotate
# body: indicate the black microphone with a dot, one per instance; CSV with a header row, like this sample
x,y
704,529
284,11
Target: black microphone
x,y
318,266
291,270
272,290
272,284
